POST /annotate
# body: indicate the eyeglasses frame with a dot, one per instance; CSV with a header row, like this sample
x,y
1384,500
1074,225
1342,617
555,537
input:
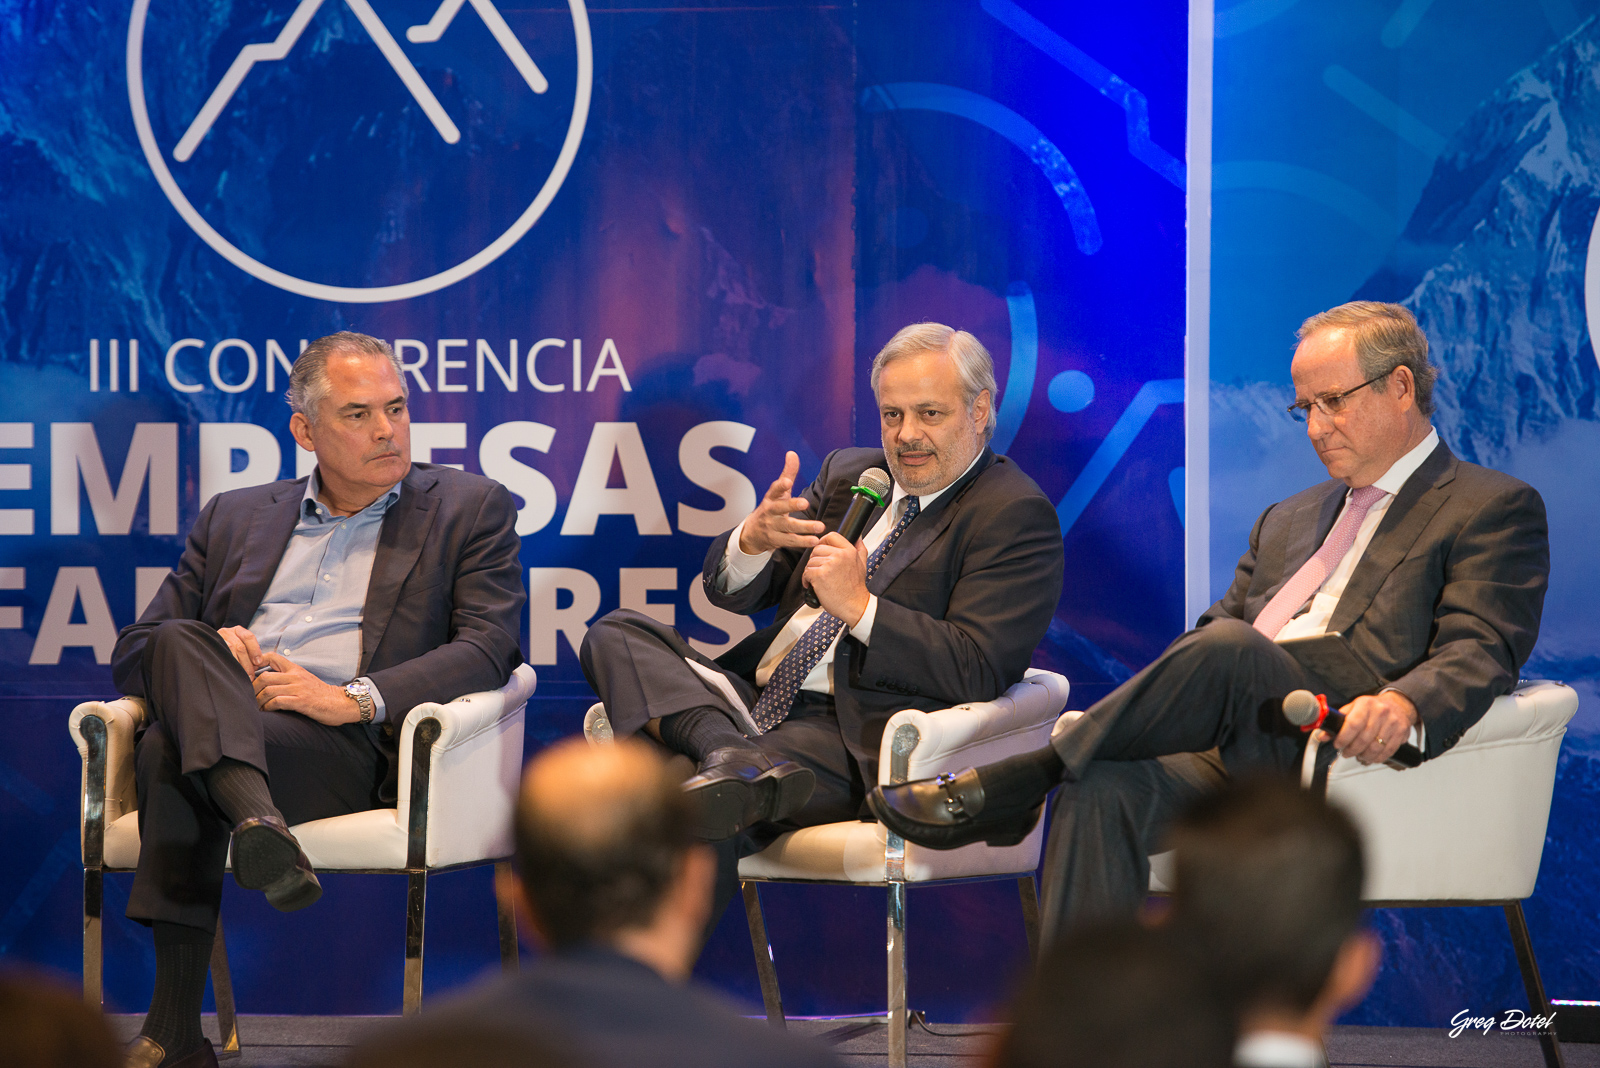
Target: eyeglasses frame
x,y
1300,411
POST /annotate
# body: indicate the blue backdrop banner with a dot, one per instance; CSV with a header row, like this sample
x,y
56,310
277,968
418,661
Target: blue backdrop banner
x,y
629,255
1444,156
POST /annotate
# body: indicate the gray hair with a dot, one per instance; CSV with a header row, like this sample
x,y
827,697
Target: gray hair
x,y
1387,337
308,381
973,363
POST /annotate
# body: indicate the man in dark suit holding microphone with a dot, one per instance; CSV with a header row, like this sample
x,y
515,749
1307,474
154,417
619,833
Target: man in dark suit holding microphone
x,y
1434,569
942,601
304,620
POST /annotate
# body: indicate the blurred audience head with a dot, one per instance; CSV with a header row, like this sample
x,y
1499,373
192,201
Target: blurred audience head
x,y
453,1044
45,1024
605,853
1117,996
1267,891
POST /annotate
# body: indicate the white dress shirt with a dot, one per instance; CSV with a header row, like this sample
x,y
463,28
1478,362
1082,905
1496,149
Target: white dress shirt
x,y
1277,1049
739,569
1315,616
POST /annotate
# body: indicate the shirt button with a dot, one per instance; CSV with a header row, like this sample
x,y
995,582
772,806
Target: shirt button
x,y
287,652
308,619
328,578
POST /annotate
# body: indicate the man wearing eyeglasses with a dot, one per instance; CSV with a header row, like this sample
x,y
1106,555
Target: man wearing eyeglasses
x,y
1433,568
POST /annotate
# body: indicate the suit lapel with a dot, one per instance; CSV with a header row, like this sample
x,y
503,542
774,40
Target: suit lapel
x,y
1423,494
926,528
1308,530
270,529
400,540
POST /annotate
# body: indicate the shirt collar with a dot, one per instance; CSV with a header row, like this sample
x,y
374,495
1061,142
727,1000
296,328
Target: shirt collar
x,y
1277,1049
927,499
1402,469
312,508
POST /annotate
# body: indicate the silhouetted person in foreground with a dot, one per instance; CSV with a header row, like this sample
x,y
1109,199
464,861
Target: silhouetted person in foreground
x,y
1118,996
614,886
1268,899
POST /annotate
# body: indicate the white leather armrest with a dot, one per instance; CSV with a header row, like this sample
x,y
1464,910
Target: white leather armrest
x,y
465,717
965,735
1535,709
123,717
473,775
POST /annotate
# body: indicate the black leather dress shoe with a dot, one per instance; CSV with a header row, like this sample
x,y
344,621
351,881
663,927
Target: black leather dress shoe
x,y
266,857
736,788
949,812
145,1052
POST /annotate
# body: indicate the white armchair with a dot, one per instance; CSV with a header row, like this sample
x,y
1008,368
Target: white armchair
x,y
460,765
1465,828
916,745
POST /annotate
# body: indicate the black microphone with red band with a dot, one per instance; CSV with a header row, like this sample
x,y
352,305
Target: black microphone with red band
x,y
872,492
1309,711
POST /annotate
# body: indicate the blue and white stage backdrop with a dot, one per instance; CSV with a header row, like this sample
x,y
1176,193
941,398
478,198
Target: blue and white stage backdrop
x,y
1448,157
630,253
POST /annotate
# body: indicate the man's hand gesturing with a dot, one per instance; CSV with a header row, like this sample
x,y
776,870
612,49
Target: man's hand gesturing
x,y
773,524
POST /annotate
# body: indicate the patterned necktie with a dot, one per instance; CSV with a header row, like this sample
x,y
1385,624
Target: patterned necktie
x,y
1315,571
776,700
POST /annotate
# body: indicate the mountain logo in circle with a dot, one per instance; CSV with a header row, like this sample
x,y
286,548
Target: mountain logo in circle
x,y
321,155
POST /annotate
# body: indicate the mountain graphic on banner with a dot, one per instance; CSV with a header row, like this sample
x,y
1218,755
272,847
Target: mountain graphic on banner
x,y
426,33
1492,259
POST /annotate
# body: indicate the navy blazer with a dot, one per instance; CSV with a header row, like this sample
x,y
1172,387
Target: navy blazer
x,y
443,612
963,599
606,1010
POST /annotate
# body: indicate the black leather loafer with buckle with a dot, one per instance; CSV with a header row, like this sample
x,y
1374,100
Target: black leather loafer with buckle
x,y
950,811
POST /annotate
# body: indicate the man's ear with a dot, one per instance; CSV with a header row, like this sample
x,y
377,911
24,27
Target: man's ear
x,y
1354,971
983,408
508,890
300,428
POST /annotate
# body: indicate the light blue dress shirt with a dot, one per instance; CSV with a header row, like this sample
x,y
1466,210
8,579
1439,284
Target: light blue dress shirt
x,y
311,613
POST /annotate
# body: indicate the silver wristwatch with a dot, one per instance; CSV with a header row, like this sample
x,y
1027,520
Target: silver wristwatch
x,y
361,693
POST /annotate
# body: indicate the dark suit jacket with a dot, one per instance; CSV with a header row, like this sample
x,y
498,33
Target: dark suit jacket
x,y
443,611
1445,602
964,597
609,1011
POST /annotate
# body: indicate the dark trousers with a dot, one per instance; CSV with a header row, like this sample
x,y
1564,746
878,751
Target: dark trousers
x,y
1206,708
202,709
636,665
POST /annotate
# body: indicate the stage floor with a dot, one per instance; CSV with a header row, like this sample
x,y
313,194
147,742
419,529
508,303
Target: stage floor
x,y
321,1041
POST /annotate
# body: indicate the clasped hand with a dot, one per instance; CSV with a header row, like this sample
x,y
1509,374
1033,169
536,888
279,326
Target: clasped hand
x,y
1375,726
281,685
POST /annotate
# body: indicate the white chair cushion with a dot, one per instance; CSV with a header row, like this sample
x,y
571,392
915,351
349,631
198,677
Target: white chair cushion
x,y
948,740
854,852
473,776
1469,824
372,840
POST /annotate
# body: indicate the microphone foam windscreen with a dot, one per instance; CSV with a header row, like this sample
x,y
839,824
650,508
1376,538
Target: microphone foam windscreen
x,y
1300,707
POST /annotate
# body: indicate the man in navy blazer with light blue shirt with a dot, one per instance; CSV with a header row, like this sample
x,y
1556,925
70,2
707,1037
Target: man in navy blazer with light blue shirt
x,y
305,618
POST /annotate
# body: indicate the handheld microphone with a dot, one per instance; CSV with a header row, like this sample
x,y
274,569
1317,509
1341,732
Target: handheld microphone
x,y
1310,711
870,493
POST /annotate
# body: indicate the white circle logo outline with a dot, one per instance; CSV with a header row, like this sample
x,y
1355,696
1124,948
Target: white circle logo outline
x,y
358,294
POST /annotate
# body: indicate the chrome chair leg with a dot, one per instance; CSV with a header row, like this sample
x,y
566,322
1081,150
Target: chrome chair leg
x,y
766,968
510,959
93,952
222,987
416,910
897,974
1028,888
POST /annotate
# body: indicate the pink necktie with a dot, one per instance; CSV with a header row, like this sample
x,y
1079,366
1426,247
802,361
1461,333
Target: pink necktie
x,y
1315,571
